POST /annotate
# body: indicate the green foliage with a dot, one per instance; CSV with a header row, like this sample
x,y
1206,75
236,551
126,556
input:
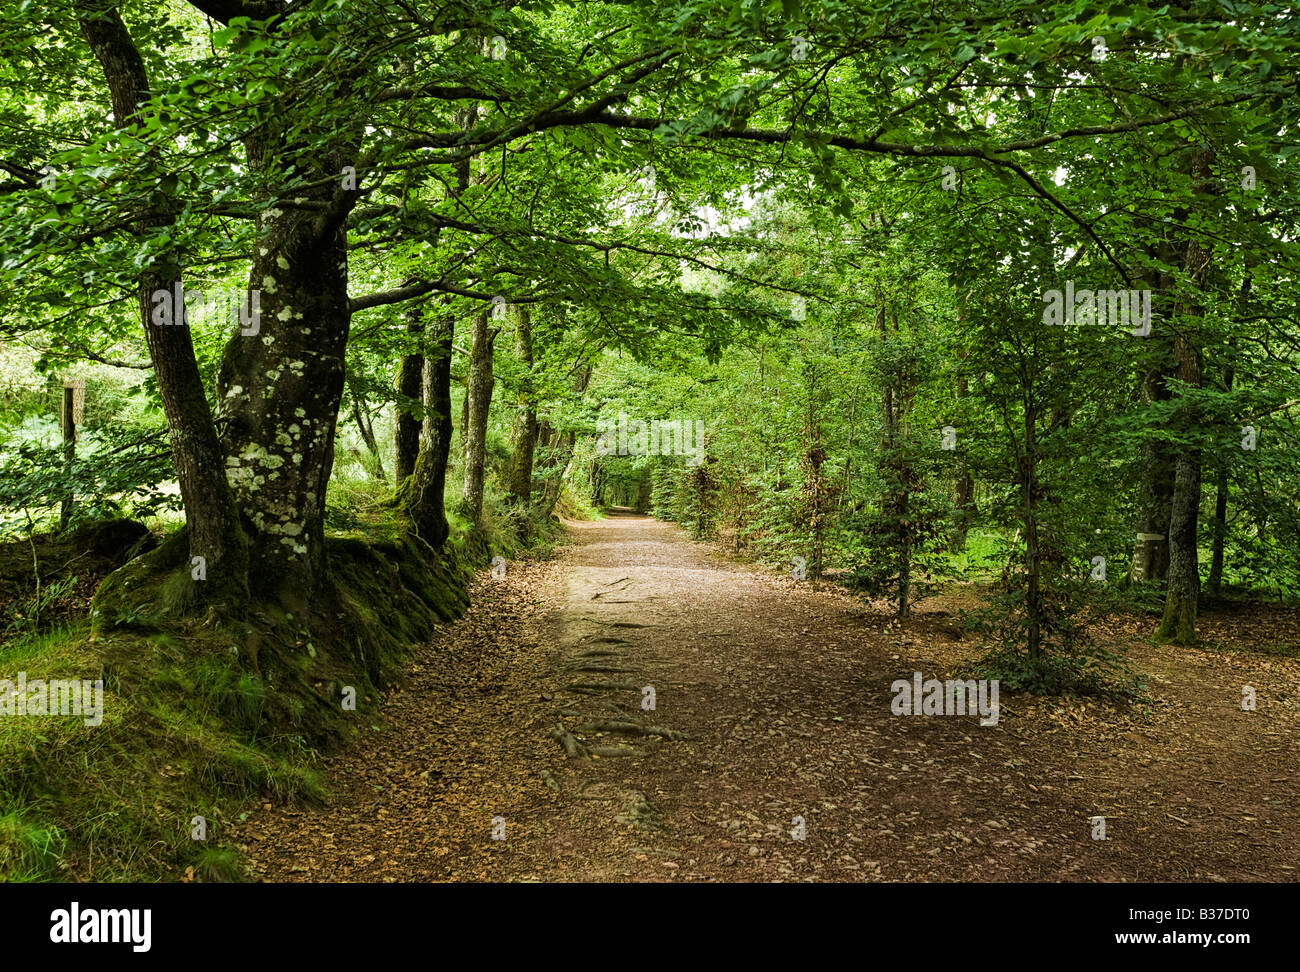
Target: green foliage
x,y
1072,660
117,473
1091,670
824,229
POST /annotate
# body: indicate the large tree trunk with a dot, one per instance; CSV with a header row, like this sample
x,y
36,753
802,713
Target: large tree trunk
x,y
478,388
1155,494
1156,475
279,390
211,520
523,433
281,400
1179,621
424,503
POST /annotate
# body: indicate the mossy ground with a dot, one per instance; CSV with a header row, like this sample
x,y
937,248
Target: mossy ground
x,y
204,715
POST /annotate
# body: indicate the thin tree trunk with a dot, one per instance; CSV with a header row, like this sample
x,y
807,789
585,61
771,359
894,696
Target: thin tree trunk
x,y
1033,565
67,413
1214,583
1179,621
361,416
211,518
524,430
965,498
406,431
479,383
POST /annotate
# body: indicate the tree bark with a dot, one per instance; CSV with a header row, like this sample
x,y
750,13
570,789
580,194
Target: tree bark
x,y
1155,494
965,498
1214,583
1033,558
478,389
424,499
523,433
410,378
211,519
1179,621
279,390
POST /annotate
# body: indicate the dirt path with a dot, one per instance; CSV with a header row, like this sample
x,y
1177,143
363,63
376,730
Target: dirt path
x,y
771,703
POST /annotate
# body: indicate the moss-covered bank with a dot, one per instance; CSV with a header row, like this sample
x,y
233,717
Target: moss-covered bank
x,y
203,713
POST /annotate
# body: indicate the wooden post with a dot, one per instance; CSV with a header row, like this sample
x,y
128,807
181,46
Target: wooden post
x,y
70,414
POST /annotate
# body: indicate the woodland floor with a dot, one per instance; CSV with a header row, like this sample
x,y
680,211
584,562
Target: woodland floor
x,y
781,693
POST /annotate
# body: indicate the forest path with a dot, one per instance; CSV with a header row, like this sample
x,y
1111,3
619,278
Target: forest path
x,y
771,702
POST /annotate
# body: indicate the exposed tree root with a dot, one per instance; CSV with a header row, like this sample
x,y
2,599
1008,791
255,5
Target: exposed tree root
x,y
589,688
632,729
572,747
639,812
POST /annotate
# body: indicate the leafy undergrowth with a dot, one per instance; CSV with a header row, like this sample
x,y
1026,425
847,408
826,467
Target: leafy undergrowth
x,y
203,718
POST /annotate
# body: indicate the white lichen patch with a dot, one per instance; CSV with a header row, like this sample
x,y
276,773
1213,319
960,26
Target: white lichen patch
x,y
256,454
